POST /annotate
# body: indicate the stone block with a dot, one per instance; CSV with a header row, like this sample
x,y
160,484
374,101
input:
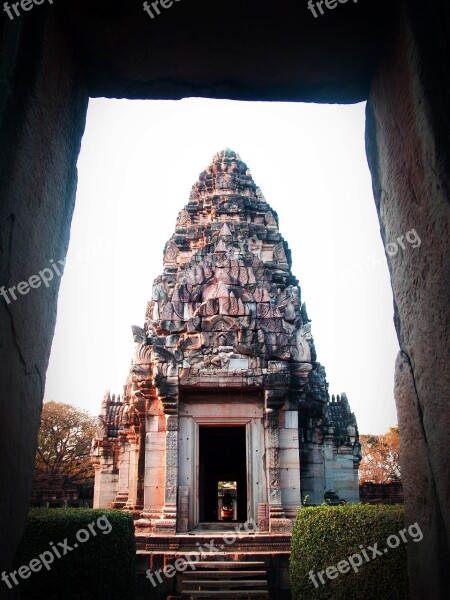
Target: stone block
x,y
291,420
237,364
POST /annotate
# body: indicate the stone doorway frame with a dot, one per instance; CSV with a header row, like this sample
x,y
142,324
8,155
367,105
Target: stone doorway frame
x,y
57,57
248,464
252,428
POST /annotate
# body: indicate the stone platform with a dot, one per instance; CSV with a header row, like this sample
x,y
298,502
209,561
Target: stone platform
x,y
157,553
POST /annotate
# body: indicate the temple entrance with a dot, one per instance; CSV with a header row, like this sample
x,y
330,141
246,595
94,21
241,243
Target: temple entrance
x,y
222,474
222,478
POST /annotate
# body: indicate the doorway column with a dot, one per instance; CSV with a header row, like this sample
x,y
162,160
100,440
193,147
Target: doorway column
x,y
273,467
168,522
278,522
135,500
275,397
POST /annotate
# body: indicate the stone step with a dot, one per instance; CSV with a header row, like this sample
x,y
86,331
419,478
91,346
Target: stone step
x,y
219,578
224,574
221,526
226,594
222,583
226,564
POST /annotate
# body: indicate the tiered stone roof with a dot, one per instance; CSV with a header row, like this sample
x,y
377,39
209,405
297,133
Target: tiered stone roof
x,y
227,272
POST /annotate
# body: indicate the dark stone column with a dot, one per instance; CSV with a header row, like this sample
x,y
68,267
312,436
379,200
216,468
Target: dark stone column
x,y
407,146
42,113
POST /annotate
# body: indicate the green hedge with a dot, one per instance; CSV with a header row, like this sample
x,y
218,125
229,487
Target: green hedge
x,y
101,566
324,536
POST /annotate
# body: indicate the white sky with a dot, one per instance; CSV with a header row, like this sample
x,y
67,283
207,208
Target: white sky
x,y
138,162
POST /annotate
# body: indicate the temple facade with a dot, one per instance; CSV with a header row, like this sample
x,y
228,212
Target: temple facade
x,y
226,413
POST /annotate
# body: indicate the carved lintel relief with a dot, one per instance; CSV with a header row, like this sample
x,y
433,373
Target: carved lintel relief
x,y
171,254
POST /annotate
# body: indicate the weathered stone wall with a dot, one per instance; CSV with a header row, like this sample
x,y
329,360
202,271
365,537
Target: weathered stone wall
x,y
312,472
381,493
408,153
43,107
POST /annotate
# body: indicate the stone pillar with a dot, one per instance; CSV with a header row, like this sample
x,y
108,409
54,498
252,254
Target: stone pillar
x,y
312,472
289,458
43,102
154,473
97,486
106,480
329,459
277,384
407,136
134,503
356,461
277,521
258,474
168,522
155,450
273,466
124,476
344,474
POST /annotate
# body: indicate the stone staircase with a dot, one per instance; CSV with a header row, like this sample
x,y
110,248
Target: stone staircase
x,y
224,579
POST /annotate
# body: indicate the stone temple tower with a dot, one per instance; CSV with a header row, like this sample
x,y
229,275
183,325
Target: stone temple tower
x,y
225,402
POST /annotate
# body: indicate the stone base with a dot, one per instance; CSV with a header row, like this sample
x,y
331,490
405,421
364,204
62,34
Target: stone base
x,y
281,525
120,501
144,526
291,513
165,527
135,510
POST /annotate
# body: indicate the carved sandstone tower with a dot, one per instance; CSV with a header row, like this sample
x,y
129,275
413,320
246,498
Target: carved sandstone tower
x,y
225,387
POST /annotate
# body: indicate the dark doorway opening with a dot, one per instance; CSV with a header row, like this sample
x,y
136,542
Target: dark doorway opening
x,y
222,459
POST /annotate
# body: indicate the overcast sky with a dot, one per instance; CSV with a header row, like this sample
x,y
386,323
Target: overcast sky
x,y
137,164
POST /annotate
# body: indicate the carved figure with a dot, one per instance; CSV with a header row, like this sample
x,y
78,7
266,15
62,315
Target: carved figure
x,y
160,293
102,428
270,219
301,352
139,336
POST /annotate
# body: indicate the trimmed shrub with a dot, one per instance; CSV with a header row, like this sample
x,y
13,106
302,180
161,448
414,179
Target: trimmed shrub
x,y
100,563
324,536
